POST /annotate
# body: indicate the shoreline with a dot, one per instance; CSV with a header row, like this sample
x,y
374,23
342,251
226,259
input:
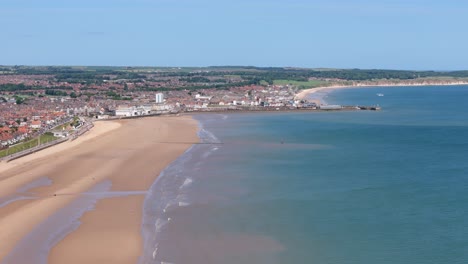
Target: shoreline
x,y
130,159
120,218
114,221
151,217
307,92
168,194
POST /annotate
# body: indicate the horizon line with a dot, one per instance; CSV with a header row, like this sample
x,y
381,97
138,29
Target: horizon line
x,y
226,66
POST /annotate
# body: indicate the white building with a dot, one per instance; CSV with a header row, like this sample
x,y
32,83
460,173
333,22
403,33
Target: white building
x,y
133,111
61,134
100,117
162,107
201,97
159,98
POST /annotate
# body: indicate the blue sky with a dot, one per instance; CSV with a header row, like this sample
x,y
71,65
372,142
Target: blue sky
x,y
411,34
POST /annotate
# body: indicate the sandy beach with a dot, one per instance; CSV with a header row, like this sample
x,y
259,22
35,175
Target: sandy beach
x,y
307,92
126,156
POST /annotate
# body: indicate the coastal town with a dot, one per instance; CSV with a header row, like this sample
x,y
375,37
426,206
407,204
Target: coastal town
x,y
24,118
232,132
59,101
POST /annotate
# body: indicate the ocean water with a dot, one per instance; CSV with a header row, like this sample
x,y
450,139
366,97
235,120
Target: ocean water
x,y
357,187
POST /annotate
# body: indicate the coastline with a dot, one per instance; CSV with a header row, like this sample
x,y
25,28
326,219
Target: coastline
x,y
114,220
307,92
169,192
129,159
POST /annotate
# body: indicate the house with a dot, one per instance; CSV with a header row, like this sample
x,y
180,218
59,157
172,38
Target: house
x,y
23,129
5,130
36,124
5,139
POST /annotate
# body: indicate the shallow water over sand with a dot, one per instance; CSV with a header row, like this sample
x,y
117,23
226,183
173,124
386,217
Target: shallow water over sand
x,y
329,187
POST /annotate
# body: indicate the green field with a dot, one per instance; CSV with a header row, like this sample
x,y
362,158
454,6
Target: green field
x,y
64,126
299,84
26,145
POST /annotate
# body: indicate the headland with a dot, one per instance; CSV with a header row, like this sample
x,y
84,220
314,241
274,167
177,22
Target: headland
x,y
303,94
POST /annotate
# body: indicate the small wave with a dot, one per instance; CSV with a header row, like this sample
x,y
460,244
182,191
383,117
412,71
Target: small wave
x,y
206,136
155,252
183,204
186,183
181,197
160,223
205,155
182,200
169,206
170,193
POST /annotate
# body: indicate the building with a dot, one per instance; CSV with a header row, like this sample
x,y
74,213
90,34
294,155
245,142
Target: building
x,y
100,117
61,134
159,98
201,97
162,108
36,124
133,111
124,112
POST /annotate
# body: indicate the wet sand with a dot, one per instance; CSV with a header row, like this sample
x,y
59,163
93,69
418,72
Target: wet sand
x,y
128,155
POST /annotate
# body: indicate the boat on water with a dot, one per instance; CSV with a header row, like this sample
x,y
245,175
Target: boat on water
x,y
380,94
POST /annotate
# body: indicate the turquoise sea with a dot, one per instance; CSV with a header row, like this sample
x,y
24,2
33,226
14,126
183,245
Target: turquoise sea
x,y
358,187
